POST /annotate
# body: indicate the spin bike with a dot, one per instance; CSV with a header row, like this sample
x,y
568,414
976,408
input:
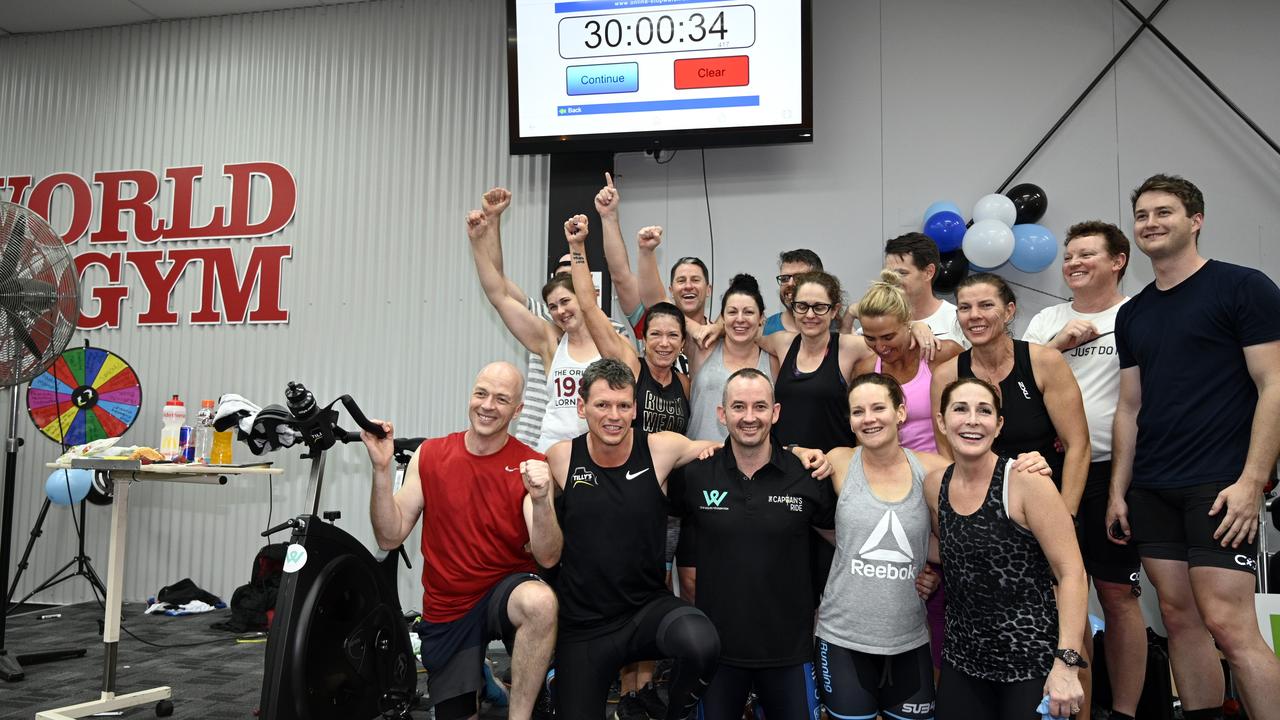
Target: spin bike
x,y
338,647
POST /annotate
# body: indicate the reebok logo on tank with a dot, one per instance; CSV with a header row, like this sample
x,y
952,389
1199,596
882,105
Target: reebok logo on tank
x,y
883,552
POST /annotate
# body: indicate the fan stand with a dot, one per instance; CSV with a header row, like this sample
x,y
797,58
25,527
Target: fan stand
x,y
11,664
81,562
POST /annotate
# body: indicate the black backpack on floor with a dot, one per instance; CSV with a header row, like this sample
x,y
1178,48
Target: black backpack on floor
x,y
251,602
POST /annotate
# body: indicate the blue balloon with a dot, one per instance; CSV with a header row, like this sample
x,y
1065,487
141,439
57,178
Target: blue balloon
x,y
946,228
940,206
68,487
1034,248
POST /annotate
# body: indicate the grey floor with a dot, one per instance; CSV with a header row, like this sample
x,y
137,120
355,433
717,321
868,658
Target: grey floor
x,y
212,681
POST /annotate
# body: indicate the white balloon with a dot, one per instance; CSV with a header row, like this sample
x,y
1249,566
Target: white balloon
x,y
995,207
988,243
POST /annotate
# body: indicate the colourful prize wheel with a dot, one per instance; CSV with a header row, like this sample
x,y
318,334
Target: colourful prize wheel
x,y
86,394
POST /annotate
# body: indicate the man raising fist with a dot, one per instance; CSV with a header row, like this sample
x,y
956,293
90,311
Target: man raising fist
x,y
483,538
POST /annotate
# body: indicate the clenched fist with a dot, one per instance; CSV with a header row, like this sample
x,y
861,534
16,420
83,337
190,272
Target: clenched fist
x,y
576,229
477,225
536,475
495,201
650,237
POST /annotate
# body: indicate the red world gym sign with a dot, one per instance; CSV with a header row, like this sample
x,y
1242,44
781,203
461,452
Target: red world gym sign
x,y
124,202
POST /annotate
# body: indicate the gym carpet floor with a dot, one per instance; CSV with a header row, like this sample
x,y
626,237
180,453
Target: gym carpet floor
x,y
214,680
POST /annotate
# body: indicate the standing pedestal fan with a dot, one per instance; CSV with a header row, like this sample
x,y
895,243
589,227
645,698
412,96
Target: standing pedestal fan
x,y
39,308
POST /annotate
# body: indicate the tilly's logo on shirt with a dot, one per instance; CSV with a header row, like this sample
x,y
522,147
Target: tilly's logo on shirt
x,y
876,557
583,476
714,498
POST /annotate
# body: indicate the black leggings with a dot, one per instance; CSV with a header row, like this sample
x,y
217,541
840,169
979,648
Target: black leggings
x,y
667,627
784,692
961,697
856,684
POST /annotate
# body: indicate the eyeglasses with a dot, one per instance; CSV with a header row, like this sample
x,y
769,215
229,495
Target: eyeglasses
x,y
784,279
802,308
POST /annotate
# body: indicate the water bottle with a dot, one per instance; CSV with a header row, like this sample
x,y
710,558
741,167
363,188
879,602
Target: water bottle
x,y
175,414
204,433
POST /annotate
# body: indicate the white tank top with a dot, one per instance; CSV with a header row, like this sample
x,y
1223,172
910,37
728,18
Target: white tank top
x,y
561,421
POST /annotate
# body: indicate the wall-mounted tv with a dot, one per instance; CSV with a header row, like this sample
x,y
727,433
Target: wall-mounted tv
x,y
625,75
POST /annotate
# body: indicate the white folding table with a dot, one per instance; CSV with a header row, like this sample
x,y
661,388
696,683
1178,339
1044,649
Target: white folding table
x,y
124,473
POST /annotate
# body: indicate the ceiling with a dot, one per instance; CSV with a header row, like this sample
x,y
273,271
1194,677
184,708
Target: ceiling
x,y
37,16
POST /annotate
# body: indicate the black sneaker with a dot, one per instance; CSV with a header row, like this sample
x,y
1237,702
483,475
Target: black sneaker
x,y
630,708
652,703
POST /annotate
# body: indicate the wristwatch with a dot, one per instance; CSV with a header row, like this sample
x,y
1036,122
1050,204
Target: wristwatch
x,y
1070,657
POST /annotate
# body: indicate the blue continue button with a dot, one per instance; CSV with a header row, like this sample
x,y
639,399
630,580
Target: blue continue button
x,y
602,79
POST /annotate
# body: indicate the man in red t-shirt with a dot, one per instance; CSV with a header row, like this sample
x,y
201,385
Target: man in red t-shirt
x,y
489,522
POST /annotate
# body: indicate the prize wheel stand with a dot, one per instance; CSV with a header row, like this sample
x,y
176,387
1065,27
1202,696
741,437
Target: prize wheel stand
x,y
86,394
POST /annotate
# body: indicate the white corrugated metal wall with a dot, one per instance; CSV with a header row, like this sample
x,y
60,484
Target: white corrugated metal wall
x,y
392,118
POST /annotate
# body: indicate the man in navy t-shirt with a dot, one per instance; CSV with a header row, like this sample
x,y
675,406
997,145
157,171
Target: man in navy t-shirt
x,y
1195,439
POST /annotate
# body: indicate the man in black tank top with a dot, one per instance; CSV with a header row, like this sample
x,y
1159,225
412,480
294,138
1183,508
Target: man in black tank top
x,y
614,604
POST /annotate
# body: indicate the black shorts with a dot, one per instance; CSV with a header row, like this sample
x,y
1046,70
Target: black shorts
x,y
453,652
856,684
1174,524
1103,559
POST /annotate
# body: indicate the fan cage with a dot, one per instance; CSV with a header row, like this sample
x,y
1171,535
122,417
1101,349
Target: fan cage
x,y
39,294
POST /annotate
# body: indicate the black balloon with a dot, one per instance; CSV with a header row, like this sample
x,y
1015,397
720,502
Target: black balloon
x,y
953,269
1030,201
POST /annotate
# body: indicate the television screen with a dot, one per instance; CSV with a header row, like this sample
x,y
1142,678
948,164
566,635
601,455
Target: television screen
x,y
619,75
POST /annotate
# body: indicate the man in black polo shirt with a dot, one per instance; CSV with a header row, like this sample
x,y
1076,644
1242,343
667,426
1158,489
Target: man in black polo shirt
x,y
1194,440
752,505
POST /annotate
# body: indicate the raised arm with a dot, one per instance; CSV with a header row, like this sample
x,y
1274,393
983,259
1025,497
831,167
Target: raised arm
x,y
493,203
1066,411
625,282
536,334
1124,439
607,340
652,291
393,516
545,538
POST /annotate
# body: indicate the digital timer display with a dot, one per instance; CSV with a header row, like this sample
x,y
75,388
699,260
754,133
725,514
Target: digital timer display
x,y
713,28
626,74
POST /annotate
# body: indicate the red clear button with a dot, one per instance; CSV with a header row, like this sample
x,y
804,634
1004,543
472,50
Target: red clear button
x,y
712,72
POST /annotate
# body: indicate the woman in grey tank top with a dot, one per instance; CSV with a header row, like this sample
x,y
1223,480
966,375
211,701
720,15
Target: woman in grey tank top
x,y
872,633
742,311
873,636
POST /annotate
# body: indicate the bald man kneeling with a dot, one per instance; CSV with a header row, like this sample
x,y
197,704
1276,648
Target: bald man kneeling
x,y
489,523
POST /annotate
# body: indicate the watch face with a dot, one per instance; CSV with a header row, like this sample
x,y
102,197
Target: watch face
x,y
1070,657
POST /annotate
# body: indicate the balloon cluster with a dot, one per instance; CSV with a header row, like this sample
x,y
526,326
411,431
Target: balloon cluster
x,y
1003,230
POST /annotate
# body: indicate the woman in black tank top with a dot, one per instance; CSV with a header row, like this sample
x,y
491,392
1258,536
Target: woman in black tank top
x,y
662,392
815,367
1004,538
1043,410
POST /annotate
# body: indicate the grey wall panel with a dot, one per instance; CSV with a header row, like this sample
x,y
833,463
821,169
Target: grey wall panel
x,y
916,102
391,117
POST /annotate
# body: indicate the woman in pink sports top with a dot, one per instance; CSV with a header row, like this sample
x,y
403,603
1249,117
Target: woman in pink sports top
x,y
885,316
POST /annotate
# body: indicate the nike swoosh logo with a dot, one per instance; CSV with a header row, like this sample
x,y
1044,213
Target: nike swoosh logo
x,y
633,476
511,469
